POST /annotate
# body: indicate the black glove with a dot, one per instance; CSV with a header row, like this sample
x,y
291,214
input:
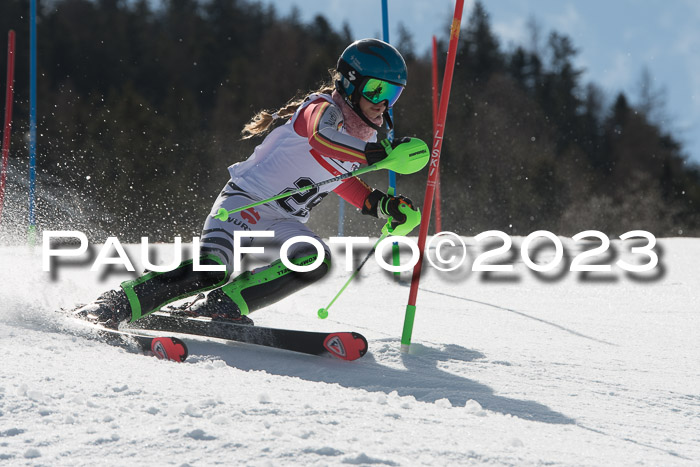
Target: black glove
x,y
380,204
375,152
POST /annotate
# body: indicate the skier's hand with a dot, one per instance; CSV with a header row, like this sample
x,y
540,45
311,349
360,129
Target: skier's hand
x,y
404,215
375,152
377,203
390,206
411,219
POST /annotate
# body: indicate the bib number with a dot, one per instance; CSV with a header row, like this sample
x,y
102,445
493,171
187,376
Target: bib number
x,y
299,204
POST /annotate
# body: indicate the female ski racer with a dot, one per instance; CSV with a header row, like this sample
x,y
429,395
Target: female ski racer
x,y
330,132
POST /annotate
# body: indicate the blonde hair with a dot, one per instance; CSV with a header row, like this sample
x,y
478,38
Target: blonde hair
x,y
262,122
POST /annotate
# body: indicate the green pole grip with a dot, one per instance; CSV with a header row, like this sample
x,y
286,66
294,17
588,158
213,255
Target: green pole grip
x,y
386,144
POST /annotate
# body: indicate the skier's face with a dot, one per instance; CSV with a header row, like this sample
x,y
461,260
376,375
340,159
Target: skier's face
x,y
372,111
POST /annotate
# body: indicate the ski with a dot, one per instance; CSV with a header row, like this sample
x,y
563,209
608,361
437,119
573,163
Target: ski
x,y
162,347
343,345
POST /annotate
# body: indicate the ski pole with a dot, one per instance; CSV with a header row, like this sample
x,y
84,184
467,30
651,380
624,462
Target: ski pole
x,y
223,214
413,217
407,158
323,312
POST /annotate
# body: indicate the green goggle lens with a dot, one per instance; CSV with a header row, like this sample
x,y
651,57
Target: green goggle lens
x,y
376,91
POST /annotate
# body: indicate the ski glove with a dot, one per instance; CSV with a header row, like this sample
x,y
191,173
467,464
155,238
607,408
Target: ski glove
x,y
404,216
375,152
379,204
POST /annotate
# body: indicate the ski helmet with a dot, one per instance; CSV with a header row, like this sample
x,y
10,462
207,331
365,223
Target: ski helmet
x,y
366,63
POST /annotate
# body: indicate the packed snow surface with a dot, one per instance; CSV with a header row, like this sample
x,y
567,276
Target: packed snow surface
x,y
516,368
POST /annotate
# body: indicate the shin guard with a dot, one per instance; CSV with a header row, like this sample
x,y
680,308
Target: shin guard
x,y
154,290
256,289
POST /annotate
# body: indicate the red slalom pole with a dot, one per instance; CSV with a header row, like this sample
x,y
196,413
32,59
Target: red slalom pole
x,y
432,175
436,83
8,113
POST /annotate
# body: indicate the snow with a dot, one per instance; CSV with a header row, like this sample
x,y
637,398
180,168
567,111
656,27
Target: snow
x,y
505,369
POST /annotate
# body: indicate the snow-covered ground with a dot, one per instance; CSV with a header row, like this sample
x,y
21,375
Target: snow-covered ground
x,y
505,368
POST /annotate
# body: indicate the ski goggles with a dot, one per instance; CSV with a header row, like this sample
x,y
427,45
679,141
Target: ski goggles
x,y
376,91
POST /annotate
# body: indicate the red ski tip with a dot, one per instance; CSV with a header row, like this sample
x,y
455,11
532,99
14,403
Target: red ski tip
x,y
346,345
170,348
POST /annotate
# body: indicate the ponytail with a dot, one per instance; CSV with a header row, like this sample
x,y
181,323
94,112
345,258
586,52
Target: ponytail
x,y
263,120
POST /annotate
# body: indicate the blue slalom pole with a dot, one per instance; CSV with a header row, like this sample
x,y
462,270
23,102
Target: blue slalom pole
x,y
32,120
341,216
392,175
385,33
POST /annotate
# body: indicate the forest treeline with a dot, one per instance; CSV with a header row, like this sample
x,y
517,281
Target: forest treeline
x,y
140,109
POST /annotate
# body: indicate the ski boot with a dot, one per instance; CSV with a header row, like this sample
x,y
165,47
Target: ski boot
x,y
215,305
110,309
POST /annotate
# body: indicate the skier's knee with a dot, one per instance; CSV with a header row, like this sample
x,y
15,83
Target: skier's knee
x,y
303,254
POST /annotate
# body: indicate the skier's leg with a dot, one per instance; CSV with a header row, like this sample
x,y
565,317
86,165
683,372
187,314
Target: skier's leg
x,y
267,285
154,290
139,297
252,290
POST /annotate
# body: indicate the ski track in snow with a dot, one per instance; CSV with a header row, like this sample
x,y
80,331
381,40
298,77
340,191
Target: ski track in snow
x,y
504,370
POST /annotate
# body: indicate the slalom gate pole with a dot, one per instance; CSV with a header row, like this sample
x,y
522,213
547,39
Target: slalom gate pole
x,y
9,93
32,121
391,191
438,210
434,164
385,38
